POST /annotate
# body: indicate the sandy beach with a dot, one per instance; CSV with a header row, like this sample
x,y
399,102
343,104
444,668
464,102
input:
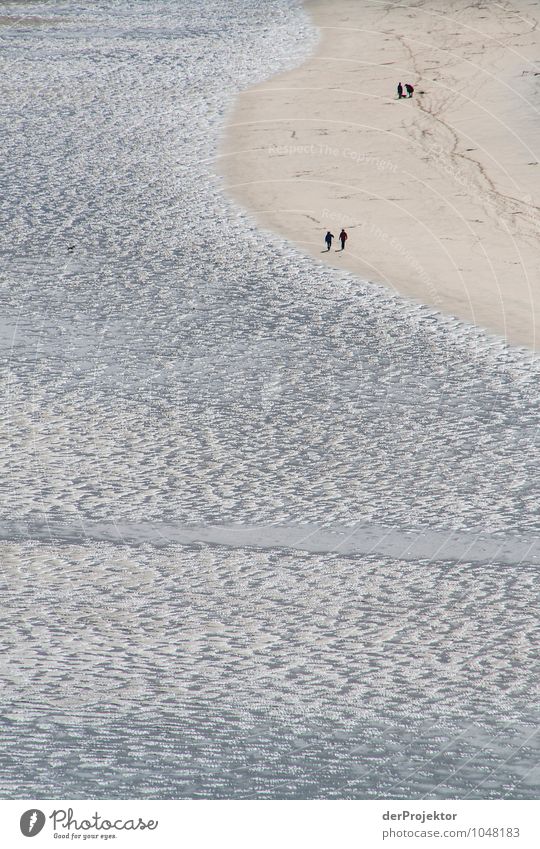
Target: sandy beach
x,y
439,193
267,530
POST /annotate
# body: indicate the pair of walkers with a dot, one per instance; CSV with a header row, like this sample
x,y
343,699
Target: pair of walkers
x,y
330,236
408,88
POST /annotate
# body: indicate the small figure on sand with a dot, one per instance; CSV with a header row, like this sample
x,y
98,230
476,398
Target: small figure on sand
x,y
343,238
410,89
328,239
399,91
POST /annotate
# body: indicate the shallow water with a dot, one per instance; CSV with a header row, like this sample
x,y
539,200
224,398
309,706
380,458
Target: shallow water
x,y
178,368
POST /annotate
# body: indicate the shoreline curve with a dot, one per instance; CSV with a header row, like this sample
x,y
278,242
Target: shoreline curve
x,y
440,193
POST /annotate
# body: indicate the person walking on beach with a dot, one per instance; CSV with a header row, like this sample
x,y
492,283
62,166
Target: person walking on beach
x,y
399,91
410,89
328,239
343,238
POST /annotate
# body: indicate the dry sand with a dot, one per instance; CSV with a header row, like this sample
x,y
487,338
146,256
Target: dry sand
x,y
439,193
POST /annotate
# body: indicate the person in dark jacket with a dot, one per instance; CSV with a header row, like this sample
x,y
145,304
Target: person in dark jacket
x,y
343,238
328,239
410,89
399,91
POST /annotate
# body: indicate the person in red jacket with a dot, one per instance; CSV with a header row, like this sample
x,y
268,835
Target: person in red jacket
x,y
343,238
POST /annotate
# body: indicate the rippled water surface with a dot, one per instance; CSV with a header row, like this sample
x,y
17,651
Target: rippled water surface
x,y
171,372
